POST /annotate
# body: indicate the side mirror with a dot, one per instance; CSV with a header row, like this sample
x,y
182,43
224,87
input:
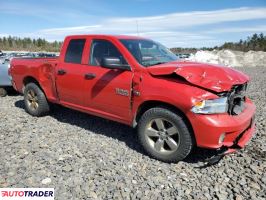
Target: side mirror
x,y
114,63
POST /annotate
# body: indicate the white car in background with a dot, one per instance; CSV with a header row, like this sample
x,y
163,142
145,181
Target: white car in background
x,y
5,79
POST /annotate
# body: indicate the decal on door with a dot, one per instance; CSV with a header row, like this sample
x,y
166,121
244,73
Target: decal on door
x,y
122,92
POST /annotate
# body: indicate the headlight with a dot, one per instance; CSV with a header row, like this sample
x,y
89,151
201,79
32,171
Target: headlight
x,y
211,106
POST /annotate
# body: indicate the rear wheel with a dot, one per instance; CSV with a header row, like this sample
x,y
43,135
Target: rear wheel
x,y
35,101
3,92
164,135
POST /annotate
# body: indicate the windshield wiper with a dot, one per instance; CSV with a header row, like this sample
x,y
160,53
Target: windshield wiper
x,y
158,63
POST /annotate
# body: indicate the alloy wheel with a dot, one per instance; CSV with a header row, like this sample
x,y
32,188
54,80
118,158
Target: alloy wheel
x,y
162,136
32,100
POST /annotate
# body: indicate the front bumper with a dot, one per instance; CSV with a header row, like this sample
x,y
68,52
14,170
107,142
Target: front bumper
x,y
238,129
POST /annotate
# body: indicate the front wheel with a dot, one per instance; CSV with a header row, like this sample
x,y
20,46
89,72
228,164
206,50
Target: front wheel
x,y
164,135
35,101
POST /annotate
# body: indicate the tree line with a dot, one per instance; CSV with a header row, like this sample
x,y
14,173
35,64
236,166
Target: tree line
x,y
256,42
27,44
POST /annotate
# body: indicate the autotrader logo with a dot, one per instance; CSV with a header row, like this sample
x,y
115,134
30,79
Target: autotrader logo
x,y
27,193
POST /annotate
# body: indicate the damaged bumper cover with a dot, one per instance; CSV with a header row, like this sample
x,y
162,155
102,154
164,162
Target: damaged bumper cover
x,y
242,139
239,143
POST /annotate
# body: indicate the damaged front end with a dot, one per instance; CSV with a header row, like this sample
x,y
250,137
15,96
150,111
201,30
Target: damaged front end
x,y
210,77
224,121
234,104
228,84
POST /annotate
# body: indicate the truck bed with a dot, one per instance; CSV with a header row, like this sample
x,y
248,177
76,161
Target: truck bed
x,y
33,61
41,69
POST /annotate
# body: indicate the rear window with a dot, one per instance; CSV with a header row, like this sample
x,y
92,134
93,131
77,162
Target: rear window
x,y
74,51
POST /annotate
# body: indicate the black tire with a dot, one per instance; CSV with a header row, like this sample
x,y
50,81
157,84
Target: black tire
x,y
171,123
42,107
3,92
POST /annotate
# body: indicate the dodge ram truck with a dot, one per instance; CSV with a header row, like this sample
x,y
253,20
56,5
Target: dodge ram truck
x,y
173,104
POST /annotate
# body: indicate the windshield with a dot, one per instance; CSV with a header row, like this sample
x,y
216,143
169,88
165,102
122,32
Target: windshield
x,y
148,52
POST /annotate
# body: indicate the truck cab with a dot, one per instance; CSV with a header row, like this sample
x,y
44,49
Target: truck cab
x,y
83,82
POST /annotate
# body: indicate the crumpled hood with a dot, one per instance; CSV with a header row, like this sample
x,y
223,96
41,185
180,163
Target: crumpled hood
x,y
213,77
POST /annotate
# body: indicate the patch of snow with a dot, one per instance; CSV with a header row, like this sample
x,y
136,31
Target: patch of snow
x,y
231,58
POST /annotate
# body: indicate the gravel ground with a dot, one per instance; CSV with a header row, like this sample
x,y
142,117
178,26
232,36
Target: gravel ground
x,y
85,157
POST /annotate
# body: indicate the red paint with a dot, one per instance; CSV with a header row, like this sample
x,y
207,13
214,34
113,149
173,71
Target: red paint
x,y
178,83
212,77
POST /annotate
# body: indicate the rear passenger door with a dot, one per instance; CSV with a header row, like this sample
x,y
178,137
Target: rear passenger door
x,y
70,73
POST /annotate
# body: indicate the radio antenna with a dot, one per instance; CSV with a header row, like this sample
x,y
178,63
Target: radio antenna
x,y
137,24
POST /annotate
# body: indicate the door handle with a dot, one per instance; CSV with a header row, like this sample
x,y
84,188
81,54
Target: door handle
x,y
61,72
89,76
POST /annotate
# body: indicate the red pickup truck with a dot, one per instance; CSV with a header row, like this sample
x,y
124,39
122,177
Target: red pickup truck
x,y
175,105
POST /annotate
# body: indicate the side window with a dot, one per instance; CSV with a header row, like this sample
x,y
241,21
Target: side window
x,y
74,51
101,49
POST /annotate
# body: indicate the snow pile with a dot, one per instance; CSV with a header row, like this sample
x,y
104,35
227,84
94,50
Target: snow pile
x,y
231,58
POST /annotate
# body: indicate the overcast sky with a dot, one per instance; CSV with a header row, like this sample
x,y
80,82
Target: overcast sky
x,y
186,23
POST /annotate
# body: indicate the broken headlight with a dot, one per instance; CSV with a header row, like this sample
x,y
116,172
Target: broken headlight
x,y
212,106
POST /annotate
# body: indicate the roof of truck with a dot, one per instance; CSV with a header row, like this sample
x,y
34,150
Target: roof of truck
x,y
110,36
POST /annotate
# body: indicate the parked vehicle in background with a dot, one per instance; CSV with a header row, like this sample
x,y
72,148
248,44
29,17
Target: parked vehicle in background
x,y
45,55
183,55
175,105
5,79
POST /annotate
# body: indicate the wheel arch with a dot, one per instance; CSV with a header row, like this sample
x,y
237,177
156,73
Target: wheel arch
x,y
153,103
30,79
